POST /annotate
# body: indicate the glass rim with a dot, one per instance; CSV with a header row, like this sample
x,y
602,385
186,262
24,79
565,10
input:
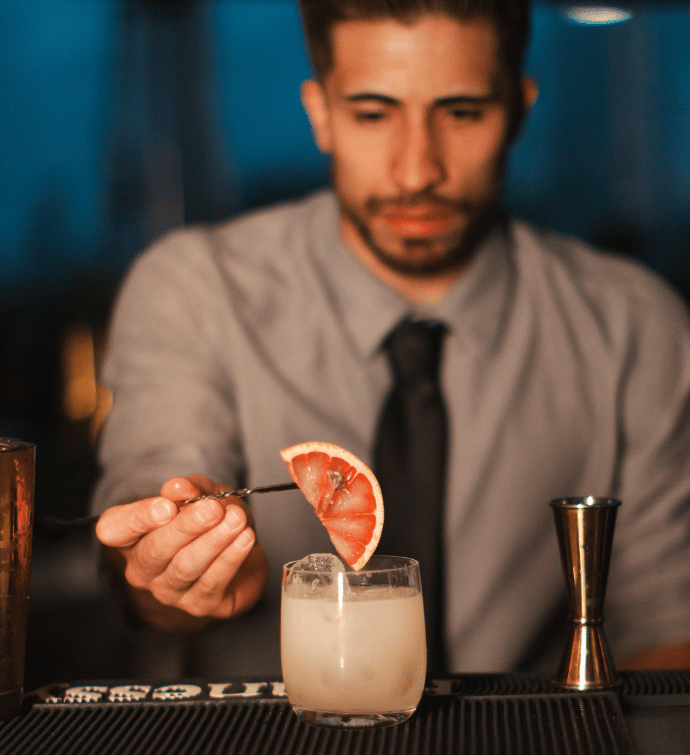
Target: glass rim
x,y
405,563
14,444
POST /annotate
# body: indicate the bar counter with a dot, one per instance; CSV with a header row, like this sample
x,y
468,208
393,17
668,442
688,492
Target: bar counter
x,y
488,714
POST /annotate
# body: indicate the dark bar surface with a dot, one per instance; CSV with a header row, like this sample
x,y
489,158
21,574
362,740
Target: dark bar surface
x,y
487,714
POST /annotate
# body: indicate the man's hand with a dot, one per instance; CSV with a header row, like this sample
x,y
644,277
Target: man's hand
x,y
185,567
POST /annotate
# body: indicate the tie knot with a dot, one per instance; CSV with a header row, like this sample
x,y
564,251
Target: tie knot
x,y
414,350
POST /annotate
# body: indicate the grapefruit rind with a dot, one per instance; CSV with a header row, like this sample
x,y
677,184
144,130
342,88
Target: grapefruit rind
x,y
351,511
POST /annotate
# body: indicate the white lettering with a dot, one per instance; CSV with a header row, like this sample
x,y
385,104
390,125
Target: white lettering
x,y
176,692
84,694
278,689
127,693
218,691
251,689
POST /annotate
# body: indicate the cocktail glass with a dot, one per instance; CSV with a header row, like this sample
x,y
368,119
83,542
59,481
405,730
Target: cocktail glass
x,y
353,645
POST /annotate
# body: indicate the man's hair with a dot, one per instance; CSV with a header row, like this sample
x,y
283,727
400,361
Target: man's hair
x,y
510,17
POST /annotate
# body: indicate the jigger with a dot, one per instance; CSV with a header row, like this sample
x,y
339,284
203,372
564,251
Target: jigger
x,y
584,527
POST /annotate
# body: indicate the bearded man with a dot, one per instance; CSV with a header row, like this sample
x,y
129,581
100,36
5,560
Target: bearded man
x,y
564,371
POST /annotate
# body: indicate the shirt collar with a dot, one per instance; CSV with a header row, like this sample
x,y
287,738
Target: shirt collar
x,y
371,309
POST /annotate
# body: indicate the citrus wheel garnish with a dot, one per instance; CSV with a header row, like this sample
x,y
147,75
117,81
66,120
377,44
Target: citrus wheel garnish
x,y
345,495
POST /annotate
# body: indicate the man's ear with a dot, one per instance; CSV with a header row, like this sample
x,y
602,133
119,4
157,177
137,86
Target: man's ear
x,y
530,91
314,102
525,99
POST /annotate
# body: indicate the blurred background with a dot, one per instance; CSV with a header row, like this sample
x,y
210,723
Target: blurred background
x,y
122,119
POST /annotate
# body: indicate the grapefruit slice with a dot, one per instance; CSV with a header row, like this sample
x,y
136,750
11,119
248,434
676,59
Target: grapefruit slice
x,y
345,495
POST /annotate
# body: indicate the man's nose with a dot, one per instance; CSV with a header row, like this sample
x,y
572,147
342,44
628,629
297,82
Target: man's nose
x,y
417,161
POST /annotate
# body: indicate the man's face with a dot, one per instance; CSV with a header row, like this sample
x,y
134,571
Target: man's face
x,y
416,120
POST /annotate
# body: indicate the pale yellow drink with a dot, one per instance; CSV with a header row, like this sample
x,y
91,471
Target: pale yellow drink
x,y
355,657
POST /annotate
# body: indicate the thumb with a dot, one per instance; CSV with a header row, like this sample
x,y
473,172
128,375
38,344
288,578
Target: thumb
x,y
122,526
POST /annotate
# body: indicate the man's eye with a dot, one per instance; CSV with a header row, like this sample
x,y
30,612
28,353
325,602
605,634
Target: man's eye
x,y
367,116
465,113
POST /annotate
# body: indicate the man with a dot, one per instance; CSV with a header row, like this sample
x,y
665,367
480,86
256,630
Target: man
x,y
565,372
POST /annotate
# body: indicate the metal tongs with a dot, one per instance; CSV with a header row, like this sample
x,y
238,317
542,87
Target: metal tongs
x,y
241,493
336,478
51,526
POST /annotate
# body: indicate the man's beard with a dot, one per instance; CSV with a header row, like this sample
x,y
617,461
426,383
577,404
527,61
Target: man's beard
x,y
422,259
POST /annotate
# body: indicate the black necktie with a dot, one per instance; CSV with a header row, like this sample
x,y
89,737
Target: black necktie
x,y
410,465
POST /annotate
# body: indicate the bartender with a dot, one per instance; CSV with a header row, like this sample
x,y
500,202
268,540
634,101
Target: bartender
x,y
562,370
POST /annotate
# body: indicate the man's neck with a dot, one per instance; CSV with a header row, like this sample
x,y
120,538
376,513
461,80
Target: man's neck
x,y
421,289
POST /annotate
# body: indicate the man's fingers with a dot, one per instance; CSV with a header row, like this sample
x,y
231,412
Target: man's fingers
x,y
210,594
189,556
192,561
156,550
181,488
123,526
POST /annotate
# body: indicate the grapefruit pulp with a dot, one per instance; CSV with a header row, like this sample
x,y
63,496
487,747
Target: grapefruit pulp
x,y
345,495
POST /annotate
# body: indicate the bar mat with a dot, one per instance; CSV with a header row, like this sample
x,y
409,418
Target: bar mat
x,y
672,682
563,724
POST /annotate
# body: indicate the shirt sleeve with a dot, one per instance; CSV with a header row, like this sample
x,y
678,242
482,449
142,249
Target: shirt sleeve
x,y
173,409
648,596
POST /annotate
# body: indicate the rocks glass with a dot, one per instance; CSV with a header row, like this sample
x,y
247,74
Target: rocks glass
x,y
353,645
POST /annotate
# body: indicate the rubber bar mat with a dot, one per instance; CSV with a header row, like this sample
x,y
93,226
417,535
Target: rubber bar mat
x,y
632,683
672,682
564,724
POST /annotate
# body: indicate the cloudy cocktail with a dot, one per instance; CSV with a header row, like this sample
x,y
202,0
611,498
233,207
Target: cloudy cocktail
x,y
353,644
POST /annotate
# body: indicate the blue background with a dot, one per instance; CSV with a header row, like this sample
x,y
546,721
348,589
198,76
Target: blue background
x,y
91,84
123,119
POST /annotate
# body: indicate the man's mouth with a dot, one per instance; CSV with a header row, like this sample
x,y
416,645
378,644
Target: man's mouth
x,y
418,221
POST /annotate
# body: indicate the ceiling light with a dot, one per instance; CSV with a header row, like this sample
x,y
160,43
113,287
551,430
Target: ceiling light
x,y
597,15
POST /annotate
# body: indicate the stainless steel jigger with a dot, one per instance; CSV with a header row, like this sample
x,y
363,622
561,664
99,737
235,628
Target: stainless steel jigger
x,y
585,533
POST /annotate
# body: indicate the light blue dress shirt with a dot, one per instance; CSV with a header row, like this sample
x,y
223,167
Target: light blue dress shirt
x,y
566,372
